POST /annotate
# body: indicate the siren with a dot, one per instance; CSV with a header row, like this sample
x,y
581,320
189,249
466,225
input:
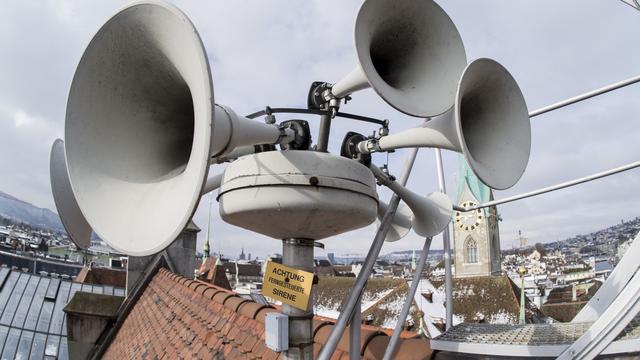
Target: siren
x,y
72,218
401,222
431,214
142,128
489,124
410,52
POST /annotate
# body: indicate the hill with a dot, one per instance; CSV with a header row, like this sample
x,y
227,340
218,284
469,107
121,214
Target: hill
x,y
22,211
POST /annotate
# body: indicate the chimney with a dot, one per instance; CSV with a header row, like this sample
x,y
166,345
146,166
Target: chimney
x,y
181,256
88,315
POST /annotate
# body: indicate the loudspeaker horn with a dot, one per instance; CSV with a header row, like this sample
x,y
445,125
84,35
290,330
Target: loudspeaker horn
x,y
489,124
401,223
431,214
410,52
142,128
72,218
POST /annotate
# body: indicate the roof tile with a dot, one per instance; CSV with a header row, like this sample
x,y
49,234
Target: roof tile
x,y
181,318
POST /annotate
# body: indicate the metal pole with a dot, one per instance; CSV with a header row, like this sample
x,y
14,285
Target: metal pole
x,y
323,133
298,253
448,282
522,322
417,275
585,96
363,276
557,186
354,331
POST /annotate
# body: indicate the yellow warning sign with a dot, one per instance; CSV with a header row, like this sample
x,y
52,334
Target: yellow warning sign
x,y
289,285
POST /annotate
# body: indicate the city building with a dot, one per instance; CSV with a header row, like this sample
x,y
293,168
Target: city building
x,y
475,233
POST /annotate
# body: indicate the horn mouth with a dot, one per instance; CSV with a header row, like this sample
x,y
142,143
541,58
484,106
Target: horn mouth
x,y
437,218
72,218
138,126
411,53
493,122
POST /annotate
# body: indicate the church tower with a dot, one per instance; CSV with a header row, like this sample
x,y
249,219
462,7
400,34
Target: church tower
x,y
475,233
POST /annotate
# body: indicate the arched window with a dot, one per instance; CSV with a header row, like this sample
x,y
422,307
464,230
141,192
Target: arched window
x,y
471,250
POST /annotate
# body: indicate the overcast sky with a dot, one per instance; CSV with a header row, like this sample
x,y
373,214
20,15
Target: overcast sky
x,y
268,53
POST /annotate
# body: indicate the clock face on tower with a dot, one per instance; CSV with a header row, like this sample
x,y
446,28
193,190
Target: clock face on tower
x,y
469,220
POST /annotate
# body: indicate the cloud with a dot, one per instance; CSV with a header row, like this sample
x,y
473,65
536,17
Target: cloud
x,y
268,53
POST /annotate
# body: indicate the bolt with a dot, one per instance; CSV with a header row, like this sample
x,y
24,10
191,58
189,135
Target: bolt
x,y
313,181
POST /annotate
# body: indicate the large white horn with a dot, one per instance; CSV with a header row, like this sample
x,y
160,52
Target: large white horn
x,y
142,127
401,223
431,214
72,219
409,52
489,125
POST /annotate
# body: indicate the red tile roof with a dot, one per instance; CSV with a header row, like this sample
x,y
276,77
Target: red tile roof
x,y
212,273
180,318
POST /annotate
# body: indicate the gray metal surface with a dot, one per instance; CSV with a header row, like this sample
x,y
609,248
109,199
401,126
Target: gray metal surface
x,y
530,340
32,323
616,282
608,325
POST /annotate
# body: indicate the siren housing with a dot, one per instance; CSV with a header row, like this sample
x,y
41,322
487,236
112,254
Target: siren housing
x,y
489,124
410,52
142,128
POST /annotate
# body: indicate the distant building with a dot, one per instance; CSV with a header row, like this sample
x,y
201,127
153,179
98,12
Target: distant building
x,y
324,268
332,258
475,233
242,255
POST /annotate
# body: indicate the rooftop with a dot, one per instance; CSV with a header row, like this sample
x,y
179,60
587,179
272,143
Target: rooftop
x,y
179,317
32,323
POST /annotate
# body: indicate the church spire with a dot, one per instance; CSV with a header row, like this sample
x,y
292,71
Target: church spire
x,y
466,177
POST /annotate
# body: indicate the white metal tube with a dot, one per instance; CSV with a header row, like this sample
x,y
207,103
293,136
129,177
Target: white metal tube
x,y
608,326
557,186
585,96
363,276
448,281
393,342
354,331
352,82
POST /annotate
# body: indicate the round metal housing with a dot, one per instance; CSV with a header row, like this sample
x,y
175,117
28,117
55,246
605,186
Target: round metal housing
x,y
301,194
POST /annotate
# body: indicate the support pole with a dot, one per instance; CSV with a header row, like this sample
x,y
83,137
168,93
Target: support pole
x,y
522,317
323,133
298,253
548,189
354,332
448,282
417,275
585,96
370,260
